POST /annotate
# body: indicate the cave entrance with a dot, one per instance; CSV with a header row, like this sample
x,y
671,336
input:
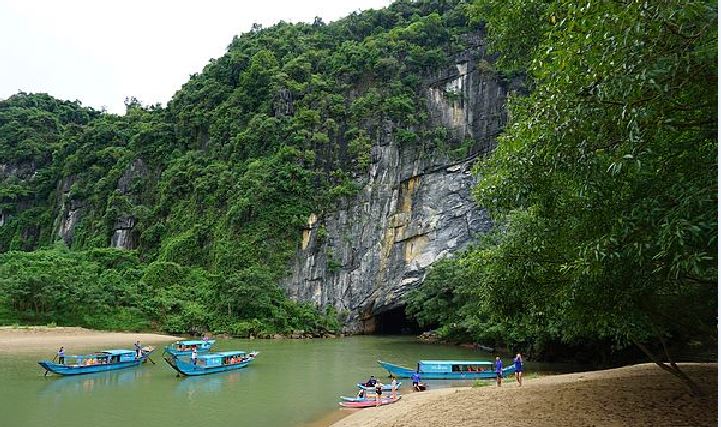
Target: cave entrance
x,y
395,322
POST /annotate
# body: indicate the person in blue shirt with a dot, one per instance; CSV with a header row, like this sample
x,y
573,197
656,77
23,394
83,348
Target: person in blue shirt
x,y
518,367
499,371
415,379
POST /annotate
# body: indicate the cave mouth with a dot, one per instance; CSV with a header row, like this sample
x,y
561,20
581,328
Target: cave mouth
x,y
395,322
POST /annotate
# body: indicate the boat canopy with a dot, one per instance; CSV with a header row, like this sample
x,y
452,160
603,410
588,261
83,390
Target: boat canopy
x,y
453,365
117,352
191,342
222,354
455,362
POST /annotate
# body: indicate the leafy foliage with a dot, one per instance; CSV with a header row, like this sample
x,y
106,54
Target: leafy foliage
x,y
604,185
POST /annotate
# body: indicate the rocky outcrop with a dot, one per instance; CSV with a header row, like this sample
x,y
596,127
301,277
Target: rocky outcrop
x,y
124,235
69,211
413,208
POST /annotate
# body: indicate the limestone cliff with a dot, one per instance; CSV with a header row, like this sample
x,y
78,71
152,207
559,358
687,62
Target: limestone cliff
x,y
413,209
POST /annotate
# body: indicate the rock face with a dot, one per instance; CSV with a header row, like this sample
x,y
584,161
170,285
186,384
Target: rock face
x,y
413,209
124,235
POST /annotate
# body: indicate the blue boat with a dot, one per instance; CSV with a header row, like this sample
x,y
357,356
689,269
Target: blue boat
x,y
106,360
448,369
185,347
211,363
386,386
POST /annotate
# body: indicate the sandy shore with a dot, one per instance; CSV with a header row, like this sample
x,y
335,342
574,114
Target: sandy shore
x,y
41,339
639,395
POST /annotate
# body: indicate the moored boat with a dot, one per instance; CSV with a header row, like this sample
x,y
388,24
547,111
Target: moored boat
x,y
386,386
368,397
211,363
101,361
369,403
448,369
185,347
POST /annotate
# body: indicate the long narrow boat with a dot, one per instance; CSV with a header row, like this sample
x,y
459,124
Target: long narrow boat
x,y
211,363
386,386
369,403
106,360
185,347
368,396
448,369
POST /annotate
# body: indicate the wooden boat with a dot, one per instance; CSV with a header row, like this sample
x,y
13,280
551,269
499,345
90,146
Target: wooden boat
x,y
185,347
106,360
211,363
448,369
386,386
369,403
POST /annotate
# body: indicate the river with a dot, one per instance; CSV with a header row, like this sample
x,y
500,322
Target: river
x,y
291,383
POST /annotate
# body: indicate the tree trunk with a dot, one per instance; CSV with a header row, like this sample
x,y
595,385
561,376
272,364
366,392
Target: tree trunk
x,y
672,368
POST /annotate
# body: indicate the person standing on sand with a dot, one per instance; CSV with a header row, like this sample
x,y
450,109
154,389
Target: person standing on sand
x,y
518,367
416,379
394,386
499,371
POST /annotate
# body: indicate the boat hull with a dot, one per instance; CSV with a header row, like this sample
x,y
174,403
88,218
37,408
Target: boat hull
x,y
368,398
403,372
191,370
368,403
59,369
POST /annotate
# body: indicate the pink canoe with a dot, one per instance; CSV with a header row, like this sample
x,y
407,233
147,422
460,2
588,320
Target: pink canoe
x,y
368,403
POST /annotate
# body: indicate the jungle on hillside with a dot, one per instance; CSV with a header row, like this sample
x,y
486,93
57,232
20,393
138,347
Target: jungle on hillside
x,y
183,218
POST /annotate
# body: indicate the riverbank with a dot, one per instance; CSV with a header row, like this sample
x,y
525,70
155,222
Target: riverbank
x,y
38,338
629,396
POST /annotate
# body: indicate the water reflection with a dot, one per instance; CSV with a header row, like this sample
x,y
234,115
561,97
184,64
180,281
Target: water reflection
x,y
209,384
56,385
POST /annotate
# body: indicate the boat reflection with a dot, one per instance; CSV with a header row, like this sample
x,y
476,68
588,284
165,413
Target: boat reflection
x,y
92,383
211,384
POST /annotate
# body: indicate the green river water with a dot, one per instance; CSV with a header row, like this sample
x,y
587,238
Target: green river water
x,y
291,383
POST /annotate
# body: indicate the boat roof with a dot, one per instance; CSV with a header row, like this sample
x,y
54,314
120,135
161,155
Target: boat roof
x,y
191,342
114,352
455,362
221,354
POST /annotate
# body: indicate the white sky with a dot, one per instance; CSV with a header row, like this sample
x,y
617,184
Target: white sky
x,y
100,51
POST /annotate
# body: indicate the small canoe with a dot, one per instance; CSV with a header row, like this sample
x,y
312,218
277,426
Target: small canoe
x,y
448,370
101,361
386,386
185,347
211,363
368,403
363,399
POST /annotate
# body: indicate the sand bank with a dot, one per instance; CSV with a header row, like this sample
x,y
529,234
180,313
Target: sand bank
x,y
41,339
639,395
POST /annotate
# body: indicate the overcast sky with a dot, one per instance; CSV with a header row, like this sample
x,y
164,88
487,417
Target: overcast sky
x,y
100,51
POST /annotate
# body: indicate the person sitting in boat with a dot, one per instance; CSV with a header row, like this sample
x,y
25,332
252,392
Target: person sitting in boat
x,y
362,393
371,381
